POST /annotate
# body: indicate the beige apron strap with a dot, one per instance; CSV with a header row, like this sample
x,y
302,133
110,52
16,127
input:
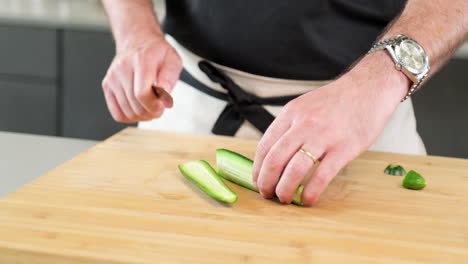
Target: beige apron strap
x,y
196,112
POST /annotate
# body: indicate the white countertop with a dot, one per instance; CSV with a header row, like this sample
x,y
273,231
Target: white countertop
x,y
24,157
76,14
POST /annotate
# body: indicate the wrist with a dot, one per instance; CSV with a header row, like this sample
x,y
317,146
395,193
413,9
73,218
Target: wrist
x,y
132,22
130,39
377,71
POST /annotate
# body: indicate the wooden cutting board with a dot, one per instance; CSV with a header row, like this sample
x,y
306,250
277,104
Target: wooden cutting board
x,y
124,201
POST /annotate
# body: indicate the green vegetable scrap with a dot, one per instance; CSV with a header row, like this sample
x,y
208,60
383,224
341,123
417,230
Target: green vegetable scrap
x,y
205,177
395,169
414,181
237,168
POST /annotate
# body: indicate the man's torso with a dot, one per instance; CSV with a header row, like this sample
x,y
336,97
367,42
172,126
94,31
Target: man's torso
x,y
307,40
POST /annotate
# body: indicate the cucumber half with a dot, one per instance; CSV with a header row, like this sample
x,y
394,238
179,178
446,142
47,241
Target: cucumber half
x,y
205,177
236,168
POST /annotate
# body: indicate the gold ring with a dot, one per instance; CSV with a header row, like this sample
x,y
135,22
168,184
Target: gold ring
x,y
312,157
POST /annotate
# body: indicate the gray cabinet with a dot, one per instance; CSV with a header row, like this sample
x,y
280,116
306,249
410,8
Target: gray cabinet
x,y
86,57
28,107
50,82
28,52
28,80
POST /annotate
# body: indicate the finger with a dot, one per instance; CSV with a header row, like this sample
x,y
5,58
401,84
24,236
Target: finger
x,y
169,71
125,77
295,172
144,77
114,108
329,167
275,161
122,101
277,128
138,109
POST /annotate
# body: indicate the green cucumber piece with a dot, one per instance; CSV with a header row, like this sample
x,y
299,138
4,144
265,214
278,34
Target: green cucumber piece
x,y
414,181
395,169
297,198
205,177
237,168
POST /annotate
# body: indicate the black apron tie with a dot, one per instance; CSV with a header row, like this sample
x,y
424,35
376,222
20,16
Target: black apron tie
x,y
241,105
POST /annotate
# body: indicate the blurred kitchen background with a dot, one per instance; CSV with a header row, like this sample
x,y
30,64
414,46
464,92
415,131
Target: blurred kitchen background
x,y
54,54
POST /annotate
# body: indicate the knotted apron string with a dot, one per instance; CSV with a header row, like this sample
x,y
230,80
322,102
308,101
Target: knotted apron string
x,y
241,105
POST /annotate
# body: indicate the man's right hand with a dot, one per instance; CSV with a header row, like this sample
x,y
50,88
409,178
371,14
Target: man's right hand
x,y
135,69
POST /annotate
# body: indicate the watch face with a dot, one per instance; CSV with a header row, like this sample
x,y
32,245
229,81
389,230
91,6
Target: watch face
x,y
412,56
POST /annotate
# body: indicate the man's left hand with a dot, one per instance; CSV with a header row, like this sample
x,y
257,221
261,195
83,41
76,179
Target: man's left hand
x,y
335,123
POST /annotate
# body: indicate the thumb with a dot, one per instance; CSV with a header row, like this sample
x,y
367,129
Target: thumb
x,y
169,71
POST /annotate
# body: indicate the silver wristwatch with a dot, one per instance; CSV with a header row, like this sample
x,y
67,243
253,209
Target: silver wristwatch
x,y
409,57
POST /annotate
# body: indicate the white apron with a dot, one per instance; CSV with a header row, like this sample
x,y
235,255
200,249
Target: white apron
x,y
197,112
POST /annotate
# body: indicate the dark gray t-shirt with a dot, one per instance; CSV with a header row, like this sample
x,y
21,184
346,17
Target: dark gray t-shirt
x,y
295,39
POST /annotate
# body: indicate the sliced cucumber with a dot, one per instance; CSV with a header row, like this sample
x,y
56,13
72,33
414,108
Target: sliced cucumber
x,y
205,177
395,169
414,181
237,168
297,198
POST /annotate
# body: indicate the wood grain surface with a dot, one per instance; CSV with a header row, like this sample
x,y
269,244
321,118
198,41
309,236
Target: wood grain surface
x,y
124,201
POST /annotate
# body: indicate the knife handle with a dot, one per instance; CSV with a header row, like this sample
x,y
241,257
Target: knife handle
x,y
164,96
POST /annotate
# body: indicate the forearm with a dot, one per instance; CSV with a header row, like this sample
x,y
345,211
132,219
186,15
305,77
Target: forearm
x,y
440,26
130,19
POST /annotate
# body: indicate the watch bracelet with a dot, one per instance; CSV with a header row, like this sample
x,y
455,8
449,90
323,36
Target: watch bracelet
x,y
414,88
381,45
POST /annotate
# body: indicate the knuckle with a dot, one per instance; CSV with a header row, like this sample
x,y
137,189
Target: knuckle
x,y
273,163
332,134
139,57
149,53
105,84
289,107
122,64
153,55
295,172
109,81
261,149
313,118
